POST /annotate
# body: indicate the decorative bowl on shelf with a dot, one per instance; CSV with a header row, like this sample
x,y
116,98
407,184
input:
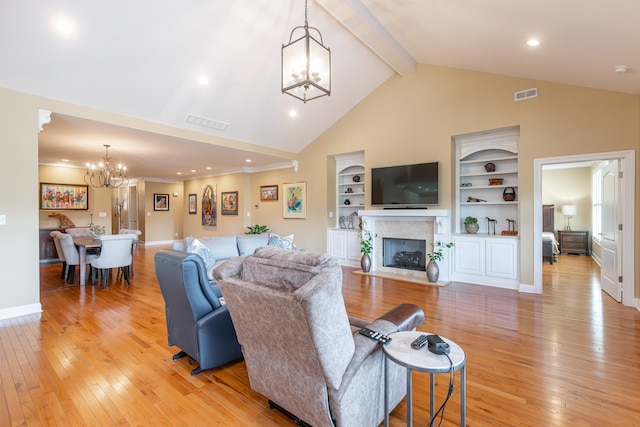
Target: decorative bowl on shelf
x,y
490,167
356,178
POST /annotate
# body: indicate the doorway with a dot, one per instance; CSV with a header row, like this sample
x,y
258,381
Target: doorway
x,y
626,208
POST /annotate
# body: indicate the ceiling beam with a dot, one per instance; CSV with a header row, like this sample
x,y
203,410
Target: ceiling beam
x,y
359,20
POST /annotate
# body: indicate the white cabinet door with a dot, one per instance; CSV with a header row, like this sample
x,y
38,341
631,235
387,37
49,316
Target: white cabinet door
x,y
469,255
353,246
344,244
337,244
486,260
502,256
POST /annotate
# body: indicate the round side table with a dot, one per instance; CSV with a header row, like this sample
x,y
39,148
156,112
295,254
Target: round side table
x,y
399,351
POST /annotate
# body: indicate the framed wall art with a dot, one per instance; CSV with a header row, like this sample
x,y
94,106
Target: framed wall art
x,y
229,202
209,208
294,202
268,192
160,202
63,197
193,205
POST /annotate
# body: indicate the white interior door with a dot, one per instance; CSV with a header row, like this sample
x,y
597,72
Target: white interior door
x,y
611,267
132,208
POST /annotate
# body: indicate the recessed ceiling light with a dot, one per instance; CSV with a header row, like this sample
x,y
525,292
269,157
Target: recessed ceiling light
x,y
208,168
533,42
179,173
64,25
65,160
203,80
621,69
193,170
248,160
293,113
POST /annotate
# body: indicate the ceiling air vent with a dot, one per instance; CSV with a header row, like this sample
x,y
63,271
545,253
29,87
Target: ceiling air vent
x,y
525,94
208,123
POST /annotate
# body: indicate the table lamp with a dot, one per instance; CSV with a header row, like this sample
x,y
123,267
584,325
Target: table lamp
x,y
569,211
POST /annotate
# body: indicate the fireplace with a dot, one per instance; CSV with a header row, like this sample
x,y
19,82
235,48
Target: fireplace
x,y
419,227
408,254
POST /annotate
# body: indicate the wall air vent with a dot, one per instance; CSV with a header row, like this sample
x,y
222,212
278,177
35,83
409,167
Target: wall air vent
x,y
525,94
208,123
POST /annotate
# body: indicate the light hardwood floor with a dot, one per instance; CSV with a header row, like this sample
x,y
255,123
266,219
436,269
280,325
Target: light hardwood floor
x,y
569,357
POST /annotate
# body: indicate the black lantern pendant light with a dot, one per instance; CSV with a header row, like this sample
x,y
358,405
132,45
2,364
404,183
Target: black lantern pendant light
x,y
306,64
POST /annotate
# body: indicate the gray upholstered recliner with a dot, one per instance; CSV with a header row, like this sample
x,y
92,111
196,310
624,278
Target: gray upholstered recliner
x,y
197,322
302,350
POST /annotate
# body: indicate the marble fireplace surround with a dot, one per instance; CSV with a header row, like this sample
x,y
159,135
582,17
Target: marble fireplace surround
x,y
424,224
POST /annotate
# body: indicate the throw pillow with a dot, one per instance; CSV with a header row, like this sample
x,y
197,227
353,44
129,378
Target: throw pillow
x,y
197,247
285,242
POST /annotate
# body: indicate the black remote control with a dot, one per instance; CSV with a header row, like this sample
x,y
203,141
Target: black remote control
x,y
419,342
375,335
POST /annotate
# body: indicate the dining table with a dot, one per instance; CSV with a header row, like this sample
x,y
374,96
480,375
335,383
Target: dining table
x,y
84,243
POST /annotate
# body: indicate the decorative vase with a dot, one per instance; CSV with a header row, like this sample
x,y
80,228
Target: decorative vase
x,y
433,272
365,263
472,228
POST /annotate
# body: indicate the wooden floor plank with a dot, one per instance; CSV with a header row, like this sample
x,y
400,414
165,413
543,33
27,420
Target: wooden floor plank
x,y
100,357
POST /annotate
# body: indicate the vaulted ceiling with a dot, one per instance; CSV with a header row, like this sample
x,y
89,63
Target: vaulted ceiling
x,y
145,59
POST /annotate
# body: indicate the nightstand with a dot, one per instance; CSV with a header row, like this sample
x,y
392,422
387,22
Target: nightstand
x,y
574,242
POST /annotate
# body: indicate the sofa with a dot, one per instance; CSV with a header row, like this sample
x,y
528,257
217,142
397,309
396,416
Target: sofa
x,y
302,350
217,249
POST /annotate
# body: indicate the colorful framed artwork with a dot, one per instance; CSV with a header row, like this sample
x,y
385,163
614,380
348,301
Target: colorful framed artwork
x,y
229,202
64,197
209,208
160,202
268,192
294,202
193,205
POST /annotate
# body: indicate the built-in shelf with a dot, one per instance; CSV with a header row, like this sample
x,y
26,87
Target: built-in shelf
x,y
487,258
343,240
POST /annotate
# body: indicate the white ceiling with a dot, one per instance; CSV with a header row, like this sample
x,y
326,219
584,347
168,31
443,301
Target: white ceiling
x,y
143,59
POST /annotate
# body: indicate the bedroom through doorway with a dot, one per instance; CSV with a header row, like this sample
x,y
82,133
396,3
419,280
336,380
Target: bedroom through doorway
x,y
616,261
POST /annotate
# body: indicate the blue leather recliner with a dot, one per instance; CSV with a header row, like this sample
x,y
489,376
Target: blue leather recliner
x,y
197,321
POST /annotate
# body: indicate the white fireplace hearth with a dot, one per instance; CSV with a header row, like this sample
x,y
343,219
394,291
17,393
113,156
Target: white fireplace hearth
x,y
429,225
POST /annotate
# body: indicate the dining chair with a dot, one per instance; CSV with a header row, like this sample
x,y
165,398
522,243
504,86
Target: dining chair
x,y
71,255
56,243
116,252
137,233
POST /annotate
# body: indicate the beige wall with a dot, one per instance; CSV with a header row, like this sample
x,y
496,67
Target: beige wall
x,y
99,199
412,119
163,226
19,278
406,120
225,224
570,186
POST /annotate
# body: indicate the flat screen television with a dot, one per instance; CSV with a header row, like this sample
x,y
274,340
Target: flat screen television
x,y
408,186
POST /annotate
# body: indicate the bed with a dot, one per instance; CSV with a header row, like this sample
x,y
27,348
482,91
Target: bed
x,y
549,242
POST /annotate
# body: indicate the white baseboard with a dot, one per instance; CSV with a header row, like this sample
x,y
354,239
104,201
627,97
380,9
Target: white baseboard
x,y
526,289
22,310
160,242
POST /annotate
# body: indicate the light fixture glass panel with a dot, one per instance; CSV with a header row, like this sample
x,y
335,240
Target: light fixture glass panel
x,y
306,64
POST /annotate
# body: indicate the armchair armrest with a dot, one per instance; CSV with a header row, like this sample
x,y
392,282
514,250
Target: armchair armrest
x,y
230,268
403,317
406,317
